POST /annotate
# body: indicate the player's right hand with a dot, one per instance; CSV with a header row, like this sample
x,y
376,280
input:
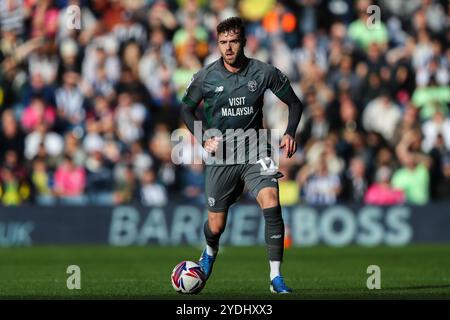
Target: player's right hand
x,y
212,144
289,145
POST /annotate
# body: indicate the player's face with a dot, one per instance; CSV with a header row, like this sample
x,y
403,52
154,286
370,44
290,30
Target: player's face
x,y
230,46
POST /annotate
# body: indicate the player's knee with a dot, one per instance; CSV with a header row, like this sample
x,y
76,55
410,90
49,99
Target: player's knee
x,y
216,227
268,198
216,224
270,203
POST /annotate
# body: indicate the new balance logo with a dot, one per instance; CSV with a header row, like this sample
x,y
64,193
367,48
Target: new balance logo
x,y
276,236
219,89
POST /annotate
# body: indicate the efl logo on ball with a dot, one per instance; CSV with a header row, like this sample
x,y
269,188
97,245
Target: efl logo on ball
x,y
188,277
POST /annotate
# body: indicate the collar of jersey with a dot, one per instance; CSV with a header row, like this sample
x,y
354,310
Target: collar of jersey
x,y
242,72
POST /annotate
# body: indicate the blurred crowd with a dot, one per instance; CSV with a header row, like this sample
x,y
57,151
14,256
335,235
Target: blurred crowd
x,y
89,98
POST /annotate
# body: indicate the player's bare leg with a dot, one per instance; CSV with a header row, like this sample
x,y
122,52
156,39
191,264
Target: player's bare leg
x,y
213,229
268,200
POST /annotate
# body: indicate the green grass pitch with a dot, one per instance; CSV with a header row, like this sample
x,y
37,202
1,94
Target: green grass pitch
x,y
413,272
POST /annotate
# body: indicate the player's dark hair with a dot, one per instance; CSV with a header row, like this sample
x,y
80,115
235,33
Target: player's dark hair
x,y
234,24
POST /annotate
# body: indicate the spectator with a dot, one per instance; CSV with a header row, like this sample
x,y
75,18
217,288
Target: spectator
x,y
130,30
129,118
435,69
189,64
36,113
317,126
311,52
188,150
13,192
42,61
44,19
157,65
345,121
280,21
126,187
111,13
166,171
99,179
140,159
413,175
253,49
12,80
402,83
385,158
131,55
70,59
16,167
193,183
437,125
439,157
42,183
191,38
103,116
413,179
443,185
431,98
152,193
102,53
12,17
72,148
11,136
382,115
327,149
129,83
320,187
381,193
93,140
70,101
409,121
371,88
336,44
52,142
88,23
160,17
102,86
354,182
361,34
435,15
36,87
70,182
345,78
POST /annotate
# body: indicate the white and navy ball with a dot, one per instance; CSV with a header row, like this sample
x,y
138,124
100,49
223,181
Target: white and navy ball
x,y
188,277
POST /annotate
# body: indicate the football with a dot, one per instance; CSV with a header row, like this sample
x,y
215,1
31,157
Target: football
x,y
188,277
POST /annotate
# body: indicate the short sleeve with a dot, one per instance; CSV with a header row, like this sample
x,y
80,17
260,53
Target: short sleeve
x,y
194,91
278,81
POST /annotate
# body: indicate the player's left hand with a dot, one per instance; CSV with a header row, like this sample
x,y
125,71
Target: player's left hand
x,y
289,145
